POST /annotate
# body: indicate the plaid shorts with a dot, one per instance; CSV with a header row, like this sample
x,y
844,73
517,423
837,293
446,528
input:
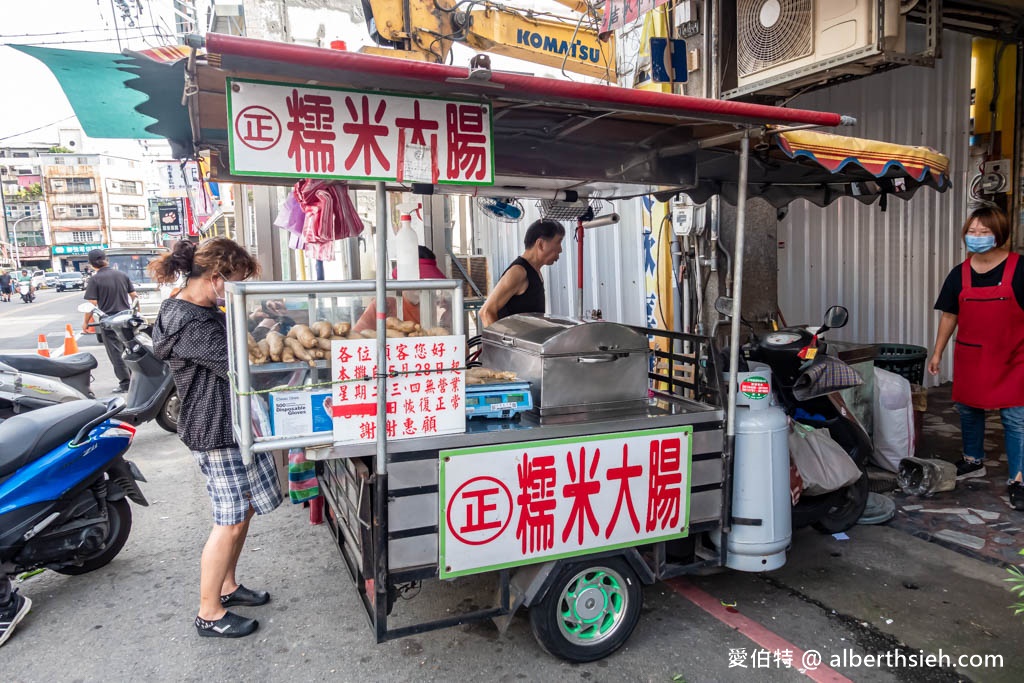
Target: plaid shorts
x,y
233,487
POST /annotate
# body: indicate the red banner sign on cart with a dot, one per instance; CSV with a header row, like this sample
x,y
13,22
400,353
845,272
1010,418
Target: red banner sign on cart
x,y
303,132
515,504
426,392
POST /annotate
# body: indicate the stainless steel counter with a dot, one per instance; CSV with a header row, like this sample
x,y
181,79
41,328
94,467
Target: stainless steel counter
x,y
662,412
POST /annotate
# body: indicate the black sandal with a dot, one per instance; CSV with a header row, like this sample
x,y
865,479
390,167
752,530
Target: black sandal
x,y
230,625
244,596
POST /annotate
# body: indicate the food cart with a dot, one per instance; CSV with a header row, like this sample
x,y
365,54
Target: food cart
x,y
621,472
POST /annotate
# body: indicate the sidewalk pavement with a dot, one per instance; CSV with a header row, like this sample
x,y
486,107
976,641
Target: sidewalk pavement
x,y
976,518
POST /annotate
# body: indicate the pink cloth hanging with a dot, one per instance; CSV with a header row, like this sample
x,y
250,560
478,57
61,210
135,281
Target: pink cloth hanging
x,y
330,215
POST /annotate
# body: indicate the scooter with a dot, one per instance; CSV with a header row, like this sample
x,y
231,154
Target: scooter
x,y
792,354
25,290
53,380
65,487
21,392
151,391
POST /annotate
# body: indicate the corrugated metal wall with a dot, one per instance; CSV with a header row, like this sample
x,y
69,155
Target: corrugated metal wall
x,y
613,261
886,267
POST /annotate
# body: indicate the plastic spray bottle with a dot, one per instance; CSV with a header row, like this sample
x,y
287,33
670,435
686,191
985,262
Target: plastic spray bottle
x,y
407,245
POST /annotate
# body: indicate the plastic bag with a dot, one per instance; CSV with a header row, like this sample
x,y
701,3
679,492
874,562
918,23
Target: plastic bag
x,y
894,420
822,463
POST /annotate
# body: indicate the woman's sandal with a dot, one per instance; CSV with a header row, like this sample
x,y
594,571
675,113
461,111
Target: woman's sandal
x,y
244,596
230,625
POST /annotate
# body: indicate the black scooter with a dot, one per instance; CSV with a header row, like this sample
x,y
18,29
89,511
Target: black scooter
x,y
151,391
792,353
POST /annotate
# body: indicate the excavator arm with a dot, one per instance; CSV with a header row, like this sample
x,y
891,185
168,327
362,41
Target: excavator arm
x,y
425,30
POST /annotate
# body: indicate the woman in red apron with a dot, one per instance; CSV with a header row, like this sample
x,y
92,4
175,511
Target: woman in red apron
x,y
983,298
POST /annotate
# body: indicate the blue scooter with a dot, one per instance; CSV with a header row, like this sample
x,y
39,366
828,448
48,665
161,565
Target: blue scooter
x,y
65,487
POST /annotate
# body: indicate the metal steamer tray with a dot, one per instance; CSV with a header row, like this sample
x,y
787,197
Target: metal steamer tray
x,y
576,369
498,400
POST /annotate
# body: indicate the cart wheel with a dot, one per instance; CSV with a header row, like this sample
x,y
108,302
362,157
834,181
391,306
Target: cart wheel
x,y
590,610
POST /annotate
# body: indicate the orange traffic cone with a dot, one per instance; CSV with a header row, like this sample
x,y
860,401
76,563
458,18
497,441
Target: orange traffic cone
x,y
70,343
41,348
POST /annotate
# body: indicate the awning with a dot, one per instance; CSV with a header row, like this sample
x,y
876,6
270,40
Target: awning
x,y
552,133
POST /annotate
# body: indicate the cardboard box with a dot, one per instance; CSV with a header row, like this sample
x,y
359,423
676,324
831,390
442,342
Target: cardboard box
x,y
299,413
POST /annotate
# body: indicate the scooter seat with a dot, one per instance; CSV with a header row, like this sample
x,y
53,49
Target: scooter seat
x,y
66,366
29,436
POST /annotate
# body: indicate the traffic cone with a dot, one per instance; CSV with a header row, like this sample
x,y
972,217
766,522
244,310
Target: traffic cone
x,y
70,343
41,348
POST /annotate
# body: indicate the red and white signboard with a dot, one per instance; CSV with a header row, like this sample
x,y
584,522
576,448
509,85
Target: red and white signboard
x,y
303,132
516,504
426,395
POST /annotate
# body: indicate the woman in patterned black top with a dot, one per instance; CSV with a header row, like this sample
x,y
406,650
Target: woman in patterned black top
x,y
190,334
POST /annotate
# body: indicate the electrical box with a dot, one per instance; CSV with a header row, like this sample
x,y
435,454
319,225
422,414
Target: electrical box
x,y
687,218
995,176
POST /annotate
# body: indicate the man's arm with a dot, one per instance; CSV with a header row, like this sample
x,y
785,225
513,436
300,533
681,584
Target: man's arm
x,y
88,316
513,282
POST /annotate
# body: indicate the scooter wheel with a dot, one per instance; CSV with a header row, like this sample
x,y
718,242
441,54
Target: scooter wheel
x,y
167,418
120,514
847,509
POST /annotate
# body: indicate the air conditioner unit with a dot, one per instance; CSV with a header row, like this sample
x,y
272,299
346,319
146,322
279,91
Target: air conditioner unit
x,y
786,44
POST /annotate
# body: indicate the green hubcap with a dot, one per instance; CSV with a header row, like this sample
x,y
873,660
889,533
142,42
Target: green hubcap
x,y
592,605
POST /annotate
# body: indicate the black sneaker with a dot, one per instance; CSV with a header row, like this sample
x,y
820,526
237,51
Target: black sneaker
x,y
230,625
15,611
1016,499
246,597
965,469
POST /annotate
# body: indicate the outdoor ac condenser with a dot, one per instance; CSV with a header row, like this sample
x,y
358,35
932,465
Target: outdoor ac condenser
x,y
792,42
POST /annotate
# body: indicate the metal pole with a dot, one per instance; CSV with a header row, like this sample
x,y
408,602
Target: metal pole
x,y
380,499
236,308
382,313
17,254
734,337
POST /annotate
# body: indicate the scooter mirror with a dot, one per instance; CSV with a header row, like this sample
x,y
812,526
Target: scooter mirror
x,y
836,317
85,308
723,305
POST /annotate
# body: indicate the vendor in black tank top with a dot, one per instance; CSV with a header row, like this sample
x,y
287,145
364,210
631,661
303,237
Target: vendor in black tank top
x,y
521,287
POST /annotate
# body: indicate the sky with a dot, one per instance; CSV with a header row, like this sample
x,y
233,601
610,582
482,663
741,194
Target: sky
x,y
70,24
42,108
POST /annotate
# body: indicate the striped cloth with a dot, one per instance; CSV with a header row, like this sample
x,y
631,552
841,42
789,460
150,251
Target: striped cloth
x,y
302,482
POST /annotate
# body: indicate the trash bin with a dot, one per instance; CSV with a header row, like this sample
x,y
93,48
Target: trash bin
x,y
903,359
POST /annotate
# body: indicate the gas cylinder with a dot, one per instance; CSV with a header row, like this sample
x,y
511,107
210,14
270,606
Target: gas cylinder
x,y
762,510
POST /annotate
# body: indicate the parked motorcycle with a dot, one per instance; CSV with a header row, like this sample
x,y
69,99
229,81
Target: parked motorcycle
x,y
57,379
21,392
809,395
65,487
25,290
151,391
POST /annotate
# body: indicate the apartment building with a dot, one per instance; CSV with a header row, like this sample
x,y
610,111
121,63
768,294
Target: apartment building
x,y
23,216
93,201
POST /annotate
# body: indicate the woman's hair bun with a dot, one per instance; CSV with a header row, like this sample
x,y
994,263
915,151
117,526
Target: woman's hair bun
x,y
182,256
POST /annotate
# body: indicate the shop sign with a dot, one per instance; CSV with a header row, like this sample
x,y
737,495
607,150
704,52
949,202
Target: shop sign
x,y
75,249
302,132
515,504
170,218
426,392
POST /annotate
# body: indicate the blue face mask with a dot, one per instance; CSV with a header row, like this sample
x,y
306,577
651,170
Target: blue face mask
x,y
980,244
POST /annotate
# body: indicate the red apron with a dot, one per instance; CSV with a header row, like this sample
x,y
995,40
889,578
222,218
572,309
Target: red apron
x,y
988,358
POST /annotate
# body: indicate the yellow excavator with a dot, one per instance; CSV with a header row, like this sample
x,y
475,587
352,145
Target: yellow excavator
x,y
425,30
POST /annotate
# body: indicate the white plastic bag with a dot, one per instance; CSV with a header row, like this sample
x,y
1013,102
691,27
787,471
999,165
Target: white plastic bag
x,y
822,463
894,420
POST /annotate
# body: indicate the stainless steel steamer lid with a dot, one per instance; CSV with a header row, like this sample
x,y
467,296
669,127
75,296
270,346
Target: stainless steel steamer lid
x,y
550,335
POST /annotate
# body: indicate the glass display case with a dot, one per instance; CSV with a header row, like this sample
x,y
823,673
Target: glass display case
x,y
280,335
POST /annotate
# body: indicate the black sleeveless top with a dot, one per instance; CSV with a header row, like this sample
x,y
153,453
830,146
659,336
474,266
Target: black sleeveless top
x,y
530,301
